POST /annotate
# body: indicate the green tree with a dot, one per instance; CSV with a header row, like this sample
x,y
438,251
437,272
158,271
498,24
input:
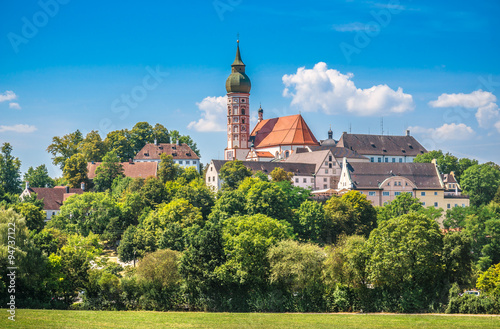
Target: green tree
x,y
49,240
119,141
198,194
247,240
496,198
204,253
75,171
169,223
141,134
489,281
63,148
346,262
154,192
456,217
160,133
268,199
295,195
135,243
10,176
34,216
457,257
71,265
190,174
297,267
31,264
401,205
38,177
233,173
463,165
161,268
228,204
310,222
340,219
405,254
480,182
167,169
365,214
89,212
107,171
279,175
93,147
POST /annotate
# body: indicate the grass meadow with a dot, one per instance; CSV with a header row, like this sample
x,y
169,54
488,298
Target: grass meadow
x,y
38,319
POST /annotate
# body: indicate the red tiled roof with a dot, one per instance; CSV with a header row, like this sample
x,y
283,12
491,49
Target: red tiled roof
x,y
180,152
262,154
289,130
134,169
53,198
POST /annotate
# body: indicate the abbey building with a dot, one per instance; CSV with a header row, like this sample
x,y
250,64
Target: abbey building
x,y
380,166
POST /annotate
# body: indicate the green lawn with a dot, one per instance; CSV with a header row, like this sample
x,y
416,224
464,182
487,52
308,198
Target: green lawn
x,y
103,319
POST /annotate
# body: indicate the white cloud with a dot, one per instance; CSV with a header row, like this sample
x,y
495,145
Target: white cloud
x,y
332,92
15,106
25,129
213,116
476,98
487,115
7,96
446,132
497,125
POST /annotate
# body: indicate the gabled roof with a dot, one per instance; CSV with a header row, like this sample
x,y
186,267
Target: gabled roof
x,y
302,169
317,158
448,178
339,152
130,169
53,198
178,152
382,144
264,154
371,174
289,130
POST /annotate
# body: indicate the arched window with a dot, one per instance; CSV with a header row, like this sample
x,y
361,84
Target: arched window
x,y
235,129
287,154
242,120
242,111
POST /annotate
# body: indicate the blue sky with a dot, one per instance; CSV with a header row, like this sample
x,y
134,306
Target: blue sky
x,y
433,67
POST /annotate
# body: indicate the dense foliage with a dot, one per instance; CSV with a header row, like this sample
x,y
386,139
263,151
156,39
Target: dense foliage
x,y
260,244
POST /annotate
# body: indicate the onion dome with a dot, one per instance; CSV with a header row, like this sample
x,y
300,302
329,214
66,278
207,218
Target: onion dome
x,y
238,81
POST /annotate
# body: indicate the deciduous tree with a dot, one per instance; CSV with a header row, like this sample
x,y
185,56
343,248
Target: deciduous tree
x,y
38,177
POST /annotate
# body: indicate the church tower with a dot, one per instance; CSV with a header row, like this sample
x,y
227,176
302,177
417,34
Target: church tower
x,y
238,110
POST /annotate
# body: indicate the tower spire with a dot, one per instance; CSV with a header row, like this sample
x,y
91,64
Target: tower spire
x,y
237,59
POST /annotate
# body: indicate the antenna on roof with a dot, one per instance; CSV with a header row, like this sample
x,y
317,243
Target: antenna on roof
x,y
382,125
350,127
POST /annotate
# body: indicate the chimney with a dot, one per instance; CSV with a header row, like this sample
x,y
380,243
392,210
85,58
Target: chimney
x,y
156,142
67,189
27,185
407,132
82,186
177,142
130,160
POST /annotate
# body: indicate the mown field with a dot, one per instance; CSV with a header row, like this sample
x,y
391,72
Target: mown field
x,y
104,319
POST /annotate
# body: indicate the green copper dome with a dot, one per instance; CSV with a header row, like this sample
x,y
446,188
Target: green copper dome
x,y
238,81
